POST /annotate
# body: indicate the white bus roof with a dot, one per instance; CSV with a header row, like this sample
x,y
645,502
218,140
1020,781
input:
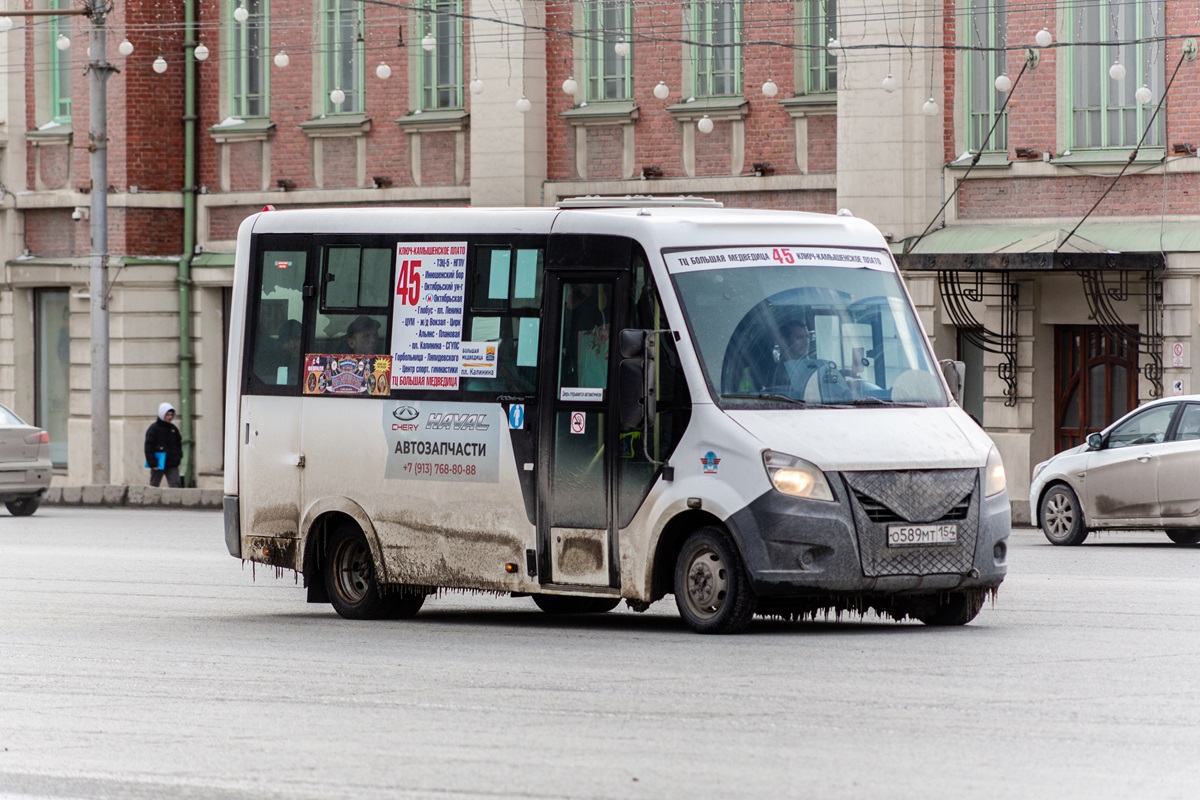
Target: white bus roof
x,y
657,225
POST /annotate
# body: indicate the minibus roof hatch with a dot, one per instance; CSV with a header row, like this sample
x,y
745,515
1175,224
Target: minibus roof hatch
x,y
638,201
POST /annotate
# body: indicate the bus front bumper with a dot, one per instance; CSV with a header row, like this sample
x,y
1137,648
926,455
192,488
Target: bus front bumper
x,y
807,548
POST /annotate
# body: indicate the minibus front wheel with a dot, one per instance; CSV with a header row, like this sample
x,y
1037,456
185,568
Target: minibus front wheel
x,y
350,579
712,591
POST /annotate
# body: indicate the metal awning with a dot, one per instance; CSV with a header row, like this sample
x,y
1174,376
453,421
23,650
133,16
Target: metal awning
x,y
1115,260
1106,245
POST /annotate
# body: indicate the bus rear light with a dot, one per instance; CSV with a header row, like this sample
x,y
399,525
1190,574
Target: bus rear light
x,y
41,437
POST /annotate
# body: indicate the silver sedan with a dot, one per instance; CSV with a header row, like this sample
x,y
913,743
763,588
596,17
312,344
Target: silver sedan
x,y
1141,472
25,468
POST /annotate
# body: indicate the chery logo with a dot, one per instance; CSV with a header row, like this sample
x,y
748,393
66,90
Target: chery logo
x,y
405,413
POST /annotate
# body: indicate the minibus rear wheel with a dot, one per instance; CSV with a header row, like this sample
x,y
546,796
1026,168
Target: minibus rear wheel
x,y
351,582
1184,537
712,591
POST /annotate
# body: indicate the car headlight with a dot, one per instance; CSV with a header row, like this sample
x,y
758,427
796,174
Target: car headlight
x,y
994,481
796,477
1037,470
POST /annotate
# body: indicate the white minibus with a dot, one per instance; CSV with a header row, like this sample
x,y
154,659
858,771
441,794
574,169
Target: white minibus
x,y
613,399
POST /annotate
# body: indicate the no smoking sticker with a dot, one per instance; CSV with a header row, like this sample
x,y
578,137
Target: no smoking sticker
x,y
578,421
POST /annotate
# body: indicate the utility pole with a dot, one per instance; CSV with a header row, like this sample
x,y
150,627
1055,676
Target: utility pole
x,y
98,70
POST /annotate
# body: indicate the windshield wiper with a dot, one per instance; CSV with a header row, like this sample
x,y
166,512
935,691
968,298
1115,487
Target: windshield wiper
x,y
763,396
878,401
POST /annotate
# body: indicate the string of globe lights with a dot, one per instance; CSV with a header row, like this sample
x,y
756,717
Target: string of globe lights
x,y
628,38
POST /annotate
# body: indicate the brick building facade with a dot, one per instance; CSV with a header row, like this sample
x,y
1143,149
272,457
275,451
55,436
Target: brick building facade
x,y
998,281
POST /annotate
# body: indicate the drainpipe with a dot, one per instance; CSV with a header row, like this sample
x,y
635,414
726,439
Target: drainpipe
x,y
187,468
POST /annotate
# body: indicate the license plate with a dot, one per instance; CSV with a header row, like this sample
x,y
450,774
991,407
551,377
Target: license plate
x,y
921,535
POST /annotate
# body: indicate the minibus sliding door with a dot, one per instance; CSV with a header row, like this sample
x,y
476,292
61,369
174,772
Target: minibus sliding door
x,y
577,542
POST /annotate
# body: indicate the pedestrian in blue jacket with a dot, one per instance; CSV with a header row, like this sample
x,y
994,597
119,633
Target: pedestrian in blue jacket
x,y
164,448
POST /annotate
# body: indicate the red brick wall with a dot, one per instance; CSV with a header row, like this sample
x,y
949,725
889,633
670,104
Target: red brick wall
x,y
822,145
131,231
291,102
437,158
1034,111
245,167
605,148
658,140
340,162
1133,195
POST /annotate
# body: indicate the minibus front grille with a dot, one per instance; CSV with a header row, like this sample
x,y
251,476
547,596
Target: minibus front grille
x,y
878,512
885,498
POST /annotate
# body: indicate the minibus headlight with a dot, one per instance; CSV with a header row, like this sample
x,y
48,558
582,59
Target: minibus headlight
x,y
994,481
796,477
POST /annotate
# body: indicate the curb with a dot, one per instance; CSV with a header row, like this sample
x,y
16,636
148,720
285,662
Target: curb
x,y
114,496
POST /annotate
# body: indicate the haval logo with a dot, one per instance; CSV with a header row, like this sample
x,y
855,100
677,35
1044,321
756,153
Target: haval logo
x,y
457,422
405,413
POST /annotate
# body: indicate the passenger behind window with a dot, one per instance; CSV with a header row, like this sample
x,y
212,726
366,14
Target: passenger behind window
x,y
277,358
362,336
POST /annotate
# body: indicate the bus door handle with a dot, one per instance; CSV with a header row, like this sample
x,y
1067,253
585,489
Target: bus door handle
x,y
300,460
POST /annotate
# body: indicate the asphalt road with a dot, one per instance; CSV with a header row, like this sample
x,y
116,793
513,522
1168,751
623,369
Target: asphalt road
x,y
138,660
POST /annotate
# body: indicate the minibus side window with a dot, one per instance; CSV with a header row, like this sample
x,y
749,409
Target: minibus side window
x,y
355,289
506,299
277,321
635,470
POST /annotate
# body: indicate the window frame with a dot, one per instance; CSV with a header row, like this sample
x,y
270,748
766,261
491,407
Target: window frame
x,y
244,60
1134,57
445,14
476,307
819,62
335,15
599,53
706,71
981,111
60,65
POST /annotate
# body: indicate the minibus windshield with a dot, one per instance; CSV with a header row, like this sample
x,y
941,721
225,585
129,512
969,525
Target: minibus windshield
x,y
801,327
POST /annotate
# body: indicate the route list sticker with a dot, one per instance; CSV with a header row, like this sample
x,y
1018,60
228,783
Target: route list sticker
x,y
431,279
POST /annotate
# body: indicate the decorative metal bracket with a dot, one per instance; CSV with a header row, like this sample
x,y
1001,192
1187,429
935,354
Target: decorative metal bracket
x,y
957,293
1101,294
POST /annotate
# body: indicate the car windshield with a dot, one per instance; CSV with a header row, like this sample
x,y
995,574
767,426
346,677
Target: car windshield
x,y
804,327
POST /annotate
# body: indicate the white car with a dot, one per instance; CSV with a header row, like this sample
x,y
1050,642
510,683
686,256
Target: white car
x,y
1141,472
25,467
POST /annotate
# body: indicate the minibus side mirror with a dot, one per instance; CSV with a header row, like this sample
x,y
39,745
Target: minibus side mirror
x,y
955,373
632,377
1095,441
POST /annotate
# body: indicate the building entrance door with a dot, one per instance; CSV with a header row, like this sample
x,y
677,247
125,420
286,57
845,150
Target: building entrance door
x,y
1095,381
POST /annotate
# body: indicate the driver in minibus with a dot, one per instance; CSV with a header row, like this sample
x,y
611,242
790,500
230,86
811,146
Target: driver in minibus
x,y
796,367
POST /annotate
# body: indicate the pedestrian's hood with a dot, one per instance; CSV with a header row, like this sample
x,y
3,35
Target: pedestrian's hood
x,y
857,439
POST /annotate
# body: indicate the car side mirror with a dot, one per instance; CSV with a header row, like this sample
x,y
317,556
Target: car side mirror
x,y
1095,441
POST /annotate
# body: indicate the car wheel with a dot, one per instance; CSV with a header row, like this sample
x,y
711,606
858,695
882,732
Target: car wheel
x,y
1184,537
945,610
712,591
1061,516
566,604
24,506
350,578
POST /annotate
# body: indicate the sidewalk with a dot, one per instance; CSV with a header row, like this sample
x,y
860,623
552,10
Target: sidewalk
x,y
150,496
